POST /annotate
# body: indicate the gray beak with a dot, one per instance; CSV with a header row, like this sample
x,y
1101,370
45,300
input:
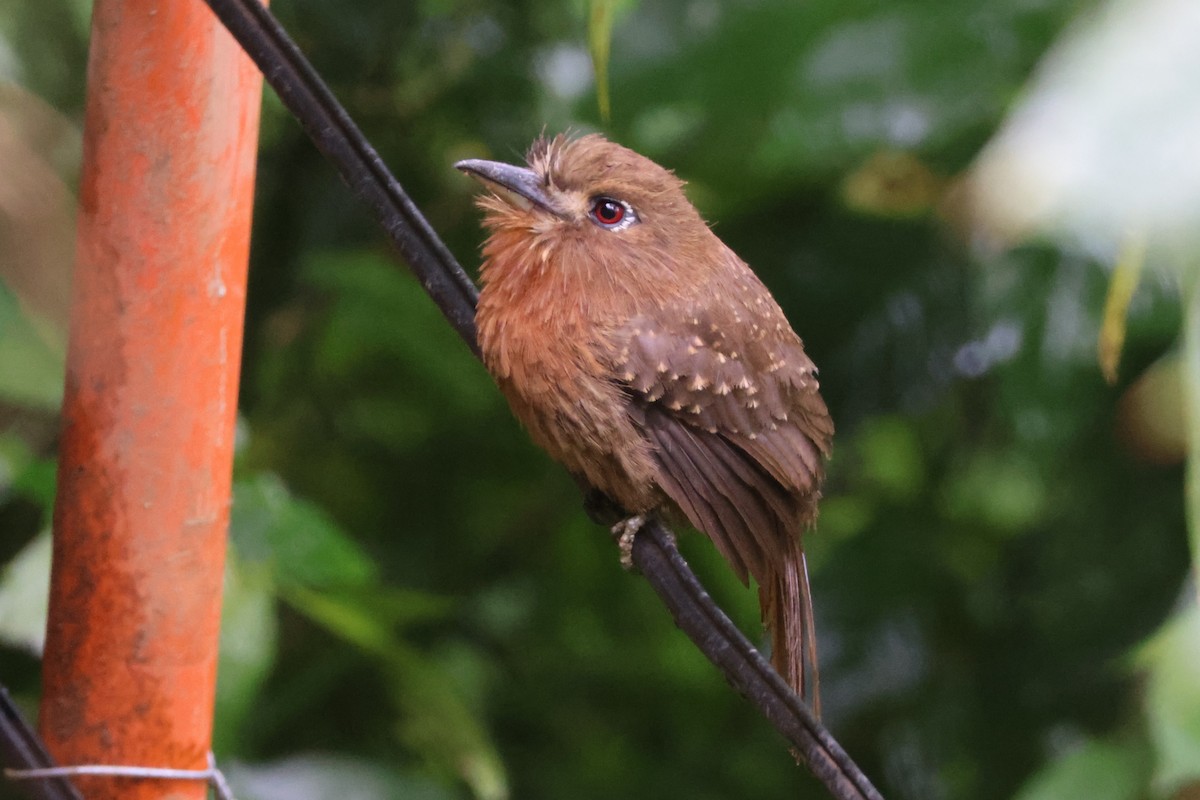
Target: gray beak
x,y
518,186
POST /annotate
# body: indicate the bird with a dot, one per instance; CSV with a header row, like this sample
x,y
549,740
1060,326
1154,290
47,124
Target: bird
x,y
643,354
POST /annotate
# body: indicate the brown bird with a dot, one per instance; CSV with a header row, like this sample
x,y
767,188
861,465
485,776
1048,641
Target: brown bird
x,y
643,354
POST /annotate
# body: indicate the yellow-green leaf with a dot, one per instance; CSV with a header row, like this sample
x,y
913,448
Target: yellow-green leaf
x,y
1116,307
600,25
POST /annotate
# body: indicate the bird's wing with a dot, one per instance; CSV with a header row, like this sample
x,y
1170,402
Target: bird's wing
x,y
729,402
727,397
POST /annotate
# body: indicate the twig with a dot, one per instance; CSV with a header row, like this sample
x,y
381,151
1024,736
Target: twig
x,y
654,552
21,748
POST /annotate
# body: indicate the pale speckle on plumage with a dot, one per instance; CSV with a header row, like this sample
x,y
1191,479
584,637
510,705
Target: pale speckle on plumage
x,y
721,388
698,383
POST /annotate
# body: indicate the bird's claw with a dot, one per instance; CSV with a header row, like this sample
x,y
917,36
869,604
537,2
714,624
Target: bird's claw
x,y
625,531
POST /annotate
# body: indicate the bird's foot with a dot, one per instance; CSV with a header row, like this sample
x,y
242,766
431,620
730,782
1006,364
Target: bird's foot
x,y
625,531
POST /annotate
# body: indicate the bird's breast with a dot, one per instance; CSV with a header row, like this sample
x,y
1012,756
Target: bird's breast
x,y
550,361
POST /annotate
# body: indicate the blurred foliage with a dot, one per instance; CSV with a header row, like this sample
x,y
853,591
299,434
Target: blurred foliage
x,y
416,606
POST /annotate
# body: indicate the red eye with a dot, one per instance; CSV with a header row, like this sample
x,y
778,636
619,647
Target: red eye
x,y
607,211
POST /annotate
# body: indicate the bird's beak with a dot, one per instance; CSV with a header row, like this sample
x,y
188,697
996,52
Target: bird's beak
x,y
517,186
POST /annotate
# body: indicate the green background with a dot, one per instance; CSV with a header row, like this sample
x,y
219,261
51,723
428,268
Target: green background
x,y
418,607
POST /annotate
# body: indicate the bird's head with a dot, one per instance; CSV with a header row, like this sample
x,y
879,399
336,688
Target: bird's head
x,y
587,190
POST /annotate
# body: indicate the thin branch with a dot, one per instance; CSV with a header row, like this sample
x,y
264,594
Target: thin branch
x,y
654,551
21,749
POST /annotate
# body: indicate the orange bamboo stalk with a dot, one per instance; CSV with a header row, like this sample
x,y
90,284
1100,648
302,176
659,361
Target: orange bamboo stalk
x,y
151,395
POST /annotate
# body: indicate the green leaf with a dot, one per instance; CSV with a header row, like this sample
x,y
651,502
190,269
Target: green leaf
x,y
600,24
433,718
405,370
38,481
1191,392
31,370
1173,702
297,538
24,595
1097,770
1121,287
249,642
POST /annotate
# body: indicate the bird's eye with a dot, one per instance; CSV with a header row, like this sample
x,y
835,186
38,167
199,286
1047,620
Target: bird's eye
x,y
612,214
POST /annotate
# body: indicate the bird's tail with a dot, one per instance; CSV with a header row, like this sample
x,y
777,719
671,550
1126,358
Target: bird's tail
x,y
787,611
